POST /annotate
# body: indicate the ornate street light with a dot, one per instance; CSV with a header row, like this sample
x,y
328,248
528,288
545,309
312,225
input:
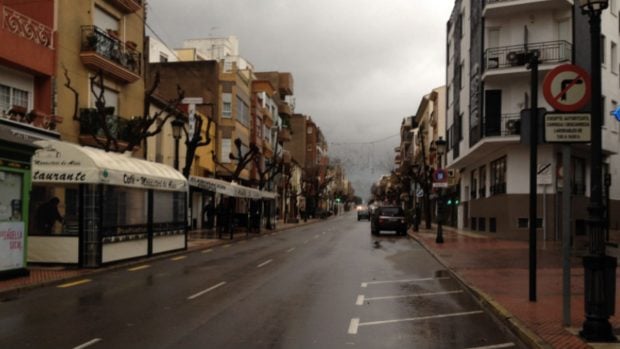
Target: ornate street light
x,y
440,147
177,127
599,269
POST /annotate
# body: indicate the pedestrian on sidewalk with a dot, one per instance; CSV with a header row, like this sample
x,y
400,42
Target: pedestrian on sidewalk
x,y
47,214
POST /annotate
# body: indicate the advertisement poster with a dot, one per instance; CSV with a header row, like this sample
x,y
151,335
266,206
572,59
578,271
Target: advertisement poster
x,y
12,243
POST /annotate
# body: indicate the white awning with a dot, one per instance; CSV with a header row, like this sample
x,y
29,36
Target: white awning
x,y
62,162
229,189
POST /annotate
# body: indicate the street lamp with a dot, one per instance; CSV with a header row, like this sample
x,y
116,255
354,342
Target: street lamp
x,y
599,269
177,126
440,147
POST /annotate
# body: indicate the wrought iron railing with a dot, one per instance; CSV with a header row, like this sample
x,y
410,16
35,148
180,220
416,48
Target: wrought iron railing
x,y
95,39
508,125
90,124
517,55
27,27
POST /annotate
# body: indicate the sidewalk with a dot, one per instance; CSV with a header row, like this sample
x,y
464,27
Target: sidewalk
x,y
48,275
497,270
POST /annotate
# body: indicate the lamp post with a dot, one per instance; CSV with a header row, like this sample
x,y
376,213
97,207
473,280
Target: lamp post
x,y
177,126
440,145
416,206
599,269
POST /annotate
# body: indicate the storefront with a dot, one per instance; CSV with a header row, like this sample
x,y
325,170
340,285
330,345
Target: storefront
x,y
252,200
92,207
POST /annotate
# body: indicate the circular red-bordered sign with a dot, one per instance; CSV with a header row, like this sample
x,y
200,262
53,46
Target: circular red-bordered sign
x,y
567,88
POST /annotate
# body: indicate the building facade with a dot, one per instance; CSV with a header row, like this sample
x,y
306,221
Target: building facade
x,y
488,88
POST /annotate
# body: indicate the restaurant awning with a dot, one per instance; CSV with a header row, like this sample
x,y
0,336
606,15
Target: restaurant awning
x,y
229,189
62,162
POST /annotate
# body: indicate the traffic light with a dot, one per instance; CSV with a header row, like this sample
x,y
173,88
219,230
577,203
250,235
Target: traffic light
x,y
449,202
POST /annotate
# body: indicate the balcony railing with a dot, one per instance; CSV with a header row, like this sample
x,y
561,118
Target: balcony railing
x,y
91,125
127,6
508,125
123,55
514,56
26,27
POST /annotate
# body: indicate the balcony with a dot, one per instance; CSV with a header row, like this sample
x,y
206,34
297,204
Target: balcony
x,y
284,135
506,7
284,109
91,125
117,59
285,84
515,56
507,125
126,6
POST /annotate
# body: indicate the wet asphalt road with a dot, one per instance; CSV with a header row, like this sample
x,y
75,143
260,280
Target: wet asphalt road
x,y
326,285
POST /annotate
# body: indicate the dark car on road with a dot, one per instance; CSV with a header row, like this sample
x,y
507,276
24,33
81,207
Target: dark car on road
x,y
388,218
363,213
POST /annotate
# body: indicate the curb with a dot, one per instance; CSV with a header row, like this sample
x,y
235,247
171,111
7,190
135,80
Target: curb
x,y
516,326
11,292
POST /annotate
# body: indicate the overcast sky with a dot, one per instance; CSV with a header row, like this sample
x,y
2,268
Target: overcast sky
x,y
359,66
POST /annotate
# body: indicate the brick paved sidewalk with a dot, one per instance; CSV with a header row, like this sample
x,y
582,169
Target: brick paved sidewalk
x,y
48,275
497,270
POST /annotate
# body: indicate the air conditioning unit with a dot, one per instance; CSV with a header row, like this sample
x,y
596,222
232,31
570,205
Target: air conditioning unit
x,y
513,126
516,58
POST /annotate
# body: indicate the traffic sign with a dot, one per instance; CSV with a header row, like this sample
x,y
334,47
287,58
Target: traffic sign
x,y
568,128
543,173
440,178
567,88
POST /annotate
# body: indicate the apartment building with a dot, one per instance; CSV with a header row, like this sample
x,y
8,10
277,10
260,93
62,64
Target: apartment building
x,y
488,86
27,69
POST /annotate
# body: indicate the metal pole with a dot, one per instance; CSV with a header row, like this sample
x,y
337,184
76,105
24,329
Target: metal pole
x,y
176,153
533,65
566,235
439,238
599,269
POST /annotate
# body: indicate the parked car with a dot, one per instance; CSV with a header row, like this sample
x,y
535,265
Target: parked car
x,y
388,218
362,212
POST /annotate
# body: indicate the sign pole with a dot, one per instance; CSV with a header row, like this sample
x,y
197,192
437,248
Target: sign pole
x,y
533,65
566,235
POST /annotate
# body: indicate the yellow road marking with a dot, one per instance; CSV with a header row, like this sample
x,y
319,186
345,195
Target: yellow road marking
x,y
74,283
207,251
178,258
139,267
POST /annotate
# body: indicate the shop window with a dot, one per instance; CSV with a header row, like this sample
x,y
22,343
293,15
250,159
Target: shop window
x,y
483,182
473,223
522,223
124,211
482,224
49,218
498,176
579,176
492,225
10,196
474,184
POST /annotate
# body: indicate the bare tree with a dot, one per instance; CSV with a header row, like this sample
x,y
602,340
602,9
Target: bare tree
x,y
114,133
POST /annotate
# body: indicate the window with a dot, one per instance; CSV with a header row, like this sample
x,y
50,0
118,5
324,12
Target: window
x,y
498,176
483,181
10,96
493,38
614,57
11,194
578,176
225,150
603,113
227,105
243,115
309,131
474,184
461,80
163,58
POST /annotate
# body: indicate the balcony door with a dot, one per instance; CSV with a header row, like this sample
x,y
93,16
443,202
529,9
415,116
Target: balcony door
x,y
492,112
104,20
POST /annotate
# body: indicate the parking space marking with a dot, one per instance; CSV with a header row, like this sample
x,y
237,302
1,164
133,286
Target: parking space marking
x,y
305,242
324,233
290,250
139,267
264,263
88,344
496,346
405,296
360,300
227,246
208,251
196,295
356,324
178,258
74,283
316,236
365,284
